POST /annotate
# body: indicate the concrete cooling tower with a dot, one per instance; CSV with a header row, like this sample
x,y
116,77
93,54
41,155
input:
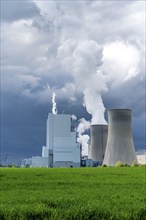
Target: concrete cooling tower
x,y
120,145
98,134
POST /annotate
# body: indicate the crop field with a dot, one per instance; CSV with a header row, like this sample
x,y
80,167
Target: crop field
x,y
110,193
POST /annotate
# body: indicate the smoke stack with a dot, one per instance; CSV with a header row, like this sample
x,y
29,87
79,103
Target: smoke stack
x,y
98,142
120,145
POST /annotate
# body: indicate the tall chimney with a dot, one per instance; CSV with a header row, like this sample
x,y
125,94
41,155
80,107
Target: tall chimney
x,y
97,146
120,145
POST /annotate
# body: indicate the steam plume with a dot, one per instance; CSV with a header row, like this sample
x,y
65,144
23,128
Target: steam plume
x,y
54,105
83,126
84,59
74,117
69,22
82,138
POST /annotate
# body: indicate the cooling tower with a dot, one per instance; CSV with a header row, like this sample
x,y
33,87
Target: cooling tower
x,y
120,145
97,145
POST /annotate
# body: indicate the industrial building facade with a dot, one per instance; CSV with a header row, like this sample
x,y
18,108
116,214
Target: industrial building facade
x,y
61,148
108,143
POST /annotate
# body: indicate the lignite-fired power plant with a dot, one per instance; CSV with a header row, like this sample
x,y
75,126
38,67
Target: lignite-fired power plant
x,y
108,143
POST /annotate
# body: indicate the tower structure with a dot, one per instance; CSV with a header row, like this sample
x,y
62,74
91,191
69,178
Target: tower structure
x,y
120,146
98,136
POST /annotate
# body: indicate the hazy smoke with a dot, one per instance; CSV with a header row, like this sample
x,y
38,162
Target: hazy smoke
x,y
83,126
83,59
54,105
83,139
74,117
67,22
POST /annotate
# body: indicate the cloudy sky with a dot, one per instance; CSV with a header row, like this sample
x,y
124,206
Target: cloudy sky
x,y
90,53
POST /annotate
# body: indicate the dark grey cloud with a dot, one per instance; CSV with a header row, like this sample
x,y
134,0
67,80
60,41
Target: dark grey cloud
x,y
130,95
133,96
22,126
12,10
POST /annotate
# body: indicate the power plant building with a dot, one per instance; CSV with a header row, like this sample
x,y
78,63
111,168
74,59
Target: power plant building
x,y
61,148
108,143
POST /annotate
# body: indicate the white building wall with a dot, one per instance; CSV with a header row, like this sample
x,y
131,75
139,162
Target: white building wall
x,y
71,154
40,161
50,131
62,126
77,154
61,141
45,151
141,158
63,154
68,141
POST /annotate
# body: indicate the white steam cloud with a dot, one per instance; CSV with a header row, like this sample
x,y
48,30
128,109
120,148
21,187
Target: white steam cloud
x,y
54,105
90,58
74,117
82,138
83,59
120,60
83,126
93,57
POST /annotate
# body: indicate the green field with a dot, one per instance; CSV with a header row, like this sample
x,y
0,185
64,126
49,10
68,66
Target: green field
x,y
115,193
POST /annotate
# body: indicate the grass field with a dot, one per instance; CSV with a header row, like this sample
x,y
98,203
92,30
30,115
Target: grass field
x,y
111,193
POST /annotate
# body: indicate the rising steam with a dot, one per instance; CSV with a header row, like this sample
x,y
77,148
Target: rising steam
x,y
78,50
54,105
82,138
84,59
74,117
